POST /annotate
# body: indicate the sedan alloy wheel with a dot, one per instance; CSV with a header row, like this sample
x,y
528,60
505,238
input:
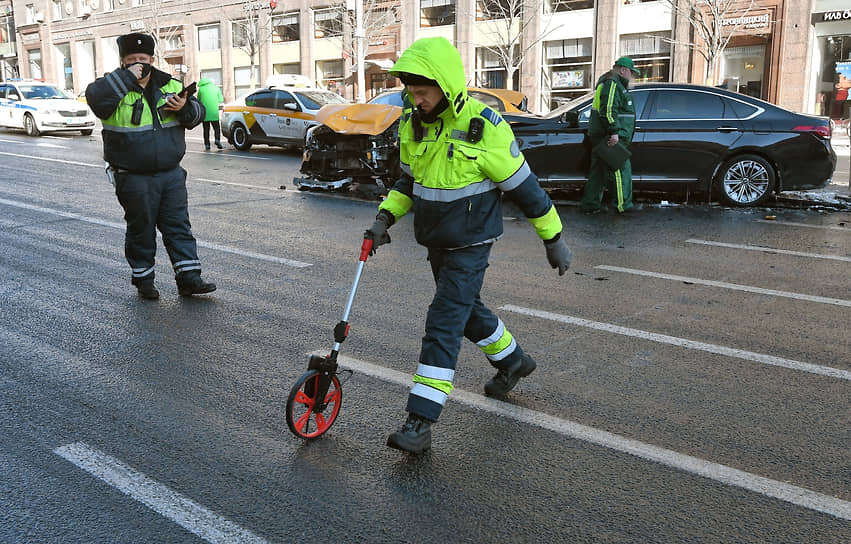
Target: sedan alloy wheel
x,y
746,180
240,138
30,126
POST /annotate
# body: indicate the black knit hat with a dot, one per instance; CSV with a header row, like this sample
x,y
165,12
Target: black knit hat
x,y
135,43
416,79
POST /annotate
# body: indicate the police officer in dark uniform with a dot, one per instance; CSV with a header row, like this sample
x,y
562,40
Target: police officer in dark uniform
x,y
144,114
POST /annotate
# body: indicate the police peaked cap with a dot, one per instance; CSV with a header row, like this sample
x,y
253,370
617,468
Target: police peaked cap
x,y
135,43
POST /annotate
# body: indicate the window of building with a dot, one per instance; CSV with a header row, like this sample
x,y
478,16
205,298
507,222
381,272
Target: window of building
x,y
209,38
490,73
30,14
214,75
651,54
34,60
327,23
56,10
568,70
567,5
64,68
7,32
242,79
329,75
170,40
109,54
288,68
108,5
834,76
83,5
285,28
498,9
437,12
137,3
241,33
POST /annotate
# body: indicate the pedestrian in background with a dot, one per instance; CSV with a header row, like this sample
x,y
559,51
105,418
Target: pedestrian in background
x,y
612,120
144,119
211,96
458,157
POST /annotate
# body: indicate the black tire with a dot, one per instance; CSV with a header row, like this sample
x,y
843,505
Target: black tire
x,y
30,126
746,180
240,138
87,132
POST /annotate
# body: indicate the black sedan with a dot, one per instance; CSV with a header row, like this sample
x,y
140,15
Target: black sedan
x,y
706,138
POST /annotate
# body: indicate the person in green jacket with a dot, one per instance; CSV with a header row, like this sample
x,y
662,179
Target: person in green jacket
x,y
211,96
458,157
612,120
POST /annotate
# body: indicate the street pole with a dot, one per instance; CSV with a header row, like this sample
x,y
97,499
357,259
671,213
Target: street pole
x,y
359,37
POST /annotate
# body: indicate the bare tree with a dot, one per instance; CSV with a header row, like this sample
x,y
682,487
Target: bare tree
x,y
252,32
378,18
515,27
168,36
714,22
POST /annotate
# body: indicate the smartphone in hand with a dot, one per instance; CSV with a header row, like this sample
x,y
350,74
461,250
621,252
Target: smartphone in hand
x,y
188,91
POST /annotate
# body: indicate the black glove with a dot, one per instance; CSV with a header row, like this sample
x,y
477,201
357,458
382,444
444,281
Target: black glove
x,y
378,231
558,254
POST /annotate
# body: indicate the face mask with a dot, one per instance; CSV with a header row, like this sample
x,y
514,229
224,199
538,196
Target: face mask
x,y
146,68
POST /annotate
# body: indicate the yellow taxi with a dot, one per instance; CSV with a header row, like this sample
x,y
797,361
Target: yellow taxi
x,y
277,116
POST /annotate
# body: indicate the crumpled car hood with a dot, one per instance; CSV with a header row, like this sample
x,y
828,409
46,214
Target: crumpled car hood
x,y
372,119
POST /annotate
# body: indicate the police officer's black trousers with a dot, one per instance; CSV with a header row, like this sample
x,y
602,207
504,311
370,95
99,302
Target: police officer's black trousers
x,y
456,311
156,201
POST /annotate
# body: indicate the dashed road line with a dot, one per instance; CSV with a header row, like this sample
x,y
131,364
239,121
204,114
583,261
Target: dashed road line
x,y
725,285
210,245
182,510
786,492
685,343
219,182
769,250
793,224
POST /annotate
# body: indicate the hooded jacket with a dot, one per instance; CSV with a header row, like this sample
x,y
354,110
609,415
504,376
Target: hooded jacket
x,y
454,185
612,111
210,96
155,143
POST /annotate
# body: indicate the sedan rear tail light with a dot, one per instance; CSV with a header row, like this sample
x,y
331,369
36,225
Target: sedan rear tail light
x,y
822,131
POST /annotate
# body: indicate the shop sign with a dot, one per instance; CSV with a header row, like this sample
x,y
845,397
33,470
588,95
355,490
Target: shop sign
x,y
747,21
74,34
137,25
830,16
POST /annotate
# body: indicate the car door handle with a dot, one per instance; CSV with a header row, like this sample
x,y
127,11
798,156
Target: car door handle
x,y
727,129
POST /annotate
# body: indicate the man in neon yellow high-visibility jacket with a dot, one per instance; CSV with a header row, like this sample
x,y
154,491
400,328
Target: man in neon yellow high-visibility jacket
x,y
612,120
458,158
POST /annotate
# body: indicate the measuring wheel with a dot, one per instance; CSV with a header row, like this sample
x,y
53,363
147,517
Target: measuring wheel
x,y
314,403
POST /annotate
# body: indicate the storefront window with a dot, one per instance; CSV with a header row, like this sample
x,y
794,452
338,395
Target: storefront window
x,y
329,74
651,54
833,88
742,69
437,12
568,70
34,56
490,73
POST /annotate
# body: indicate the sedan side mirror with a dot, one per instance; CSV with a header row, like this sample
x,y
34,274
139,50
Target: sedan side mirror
x,y
292,106
14,96
571,118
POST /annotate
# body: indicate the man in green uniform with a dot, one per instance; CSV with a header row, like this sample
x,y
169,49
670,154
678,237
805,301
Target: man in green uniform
x,y
458,157
612,120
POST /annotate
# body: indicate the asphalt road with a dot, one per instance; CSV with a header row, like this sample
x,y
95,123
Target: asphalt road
x,y
694,371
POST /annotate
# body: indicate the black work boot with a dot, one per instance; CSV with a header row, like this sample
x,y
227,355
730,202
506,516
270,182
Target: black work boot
x,y
147,290
505,380
192,284
413,437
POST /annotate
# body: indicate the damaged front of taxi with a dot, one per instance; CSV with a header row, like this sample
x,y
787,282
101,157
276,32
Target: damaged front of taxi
x,y
353,143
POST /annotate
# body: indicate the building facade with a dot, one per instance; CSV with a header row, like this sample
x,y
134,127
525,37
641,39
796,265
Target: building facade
x,y
788,52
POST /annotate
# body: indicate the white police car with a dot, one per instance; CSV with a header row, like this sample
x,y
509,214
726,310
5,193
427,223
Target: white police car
x,y
40,107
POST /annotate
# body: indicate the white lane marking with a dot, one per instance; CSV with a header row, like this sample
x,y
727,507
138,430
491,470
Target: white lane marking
x,y
45,144
63,161
694,465
121,226
219,182
769,250
725,285
685,343
182,510
229,154
11,141
793,224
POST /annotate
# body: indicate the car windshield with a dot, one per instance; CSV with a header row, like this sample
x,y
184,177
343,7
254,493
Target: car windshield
x,y
567,106
394,98
314,100
33,92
